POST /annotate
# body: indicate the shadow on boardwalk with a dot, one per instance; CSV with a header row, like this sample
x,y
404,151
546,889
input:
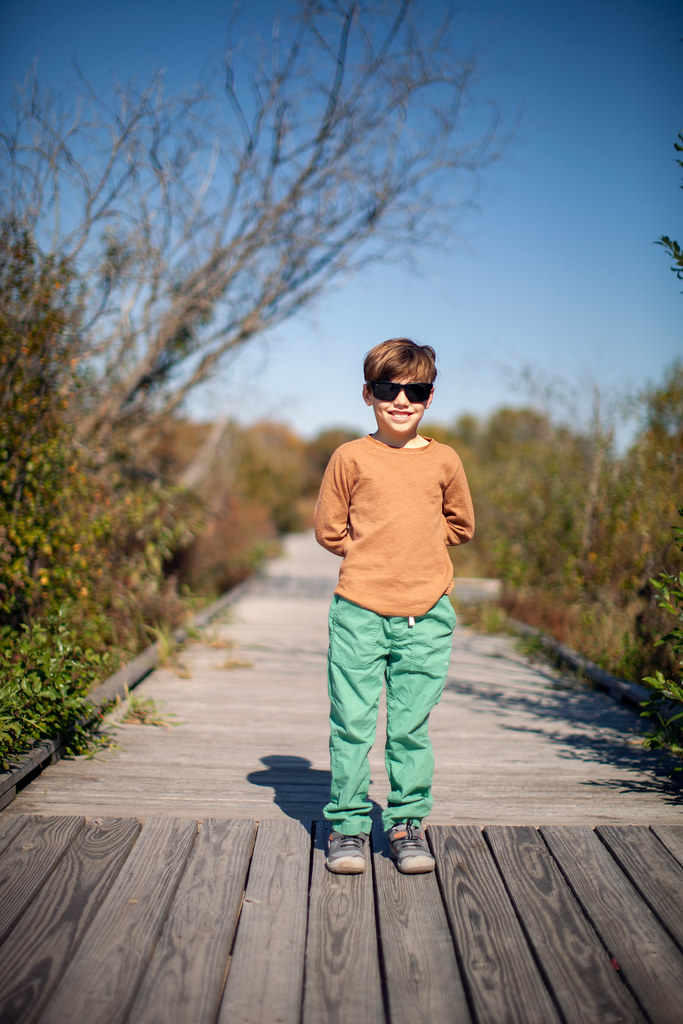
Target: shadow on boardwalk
x,y
585,730
289,777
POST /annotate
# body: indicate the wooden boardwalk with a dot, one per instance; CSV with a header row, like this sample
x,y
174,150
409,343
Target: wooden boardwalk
x,y
113,920
180,876
515,742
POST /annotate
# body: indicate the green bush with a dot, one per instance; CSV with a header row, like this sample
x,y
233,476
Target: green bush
x,y
665,707
83,543
45,676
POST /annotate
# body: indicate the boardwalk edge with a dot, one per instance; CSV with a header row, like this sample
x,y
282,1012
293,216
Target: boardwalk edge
x,y
47,751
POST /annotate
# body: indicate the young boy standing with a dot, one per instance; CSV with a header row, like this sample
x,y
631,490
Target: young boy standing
x,y
389,504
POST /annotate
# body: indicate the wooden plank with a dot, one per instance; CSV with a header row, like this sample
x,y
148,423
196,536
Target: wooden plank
x,y
342,980
419,963
10,826
185,978
100,984
648,959
49,933
265,979
499,972
576,965
672,837
28,861
653,871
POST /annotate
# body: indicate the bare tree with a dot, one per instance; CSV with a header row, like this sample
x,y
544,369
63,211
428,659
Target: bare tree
x,y
197,221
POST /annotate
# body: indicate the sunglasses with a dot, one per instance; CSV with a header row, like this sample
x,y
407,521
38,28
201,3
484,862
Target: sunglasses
x,y
387,390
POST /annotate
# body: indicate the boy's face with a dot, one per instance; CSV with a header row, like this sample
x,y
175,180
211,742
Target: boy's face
x,y
398,419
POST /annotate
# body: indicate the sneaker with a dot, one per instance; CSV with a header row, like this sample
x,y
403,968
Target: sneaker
x,y
409,848
346,854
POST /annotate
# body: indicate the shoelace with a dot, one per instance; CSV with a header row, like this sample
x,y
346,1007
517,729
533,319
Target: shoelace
x,y
351,842
412,838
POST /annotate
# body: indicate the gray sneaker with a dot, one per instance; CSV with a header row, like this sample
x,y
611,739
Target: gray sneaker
x,y
346,854
409,848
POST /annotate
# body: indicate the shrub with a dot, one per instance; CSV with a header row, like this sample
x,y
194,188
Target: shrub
x,y
665,707
45,676
83,545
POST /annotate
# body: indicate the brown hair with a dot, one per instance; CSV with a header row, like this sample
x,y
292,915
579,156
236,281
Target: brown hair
x,y
400,357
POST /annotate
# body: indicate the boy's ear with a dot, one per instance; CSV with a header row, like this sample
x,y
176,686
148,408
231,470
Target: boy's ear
x,y
367,395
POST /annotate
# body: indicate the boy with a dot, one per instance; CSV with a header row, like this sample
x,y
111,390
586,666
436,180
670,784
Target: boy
x,y
389,504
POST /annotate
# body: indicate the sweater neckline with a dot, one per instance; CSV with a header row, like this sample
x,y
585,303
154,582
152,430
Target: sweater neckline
x,y
401,451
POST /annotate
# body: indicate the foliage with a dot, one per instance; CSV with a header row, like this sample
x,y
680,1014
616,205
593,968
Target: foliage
x,y
575,528
270,472
663,707
672,247
39,321
138,710
45,675
80,543
196,222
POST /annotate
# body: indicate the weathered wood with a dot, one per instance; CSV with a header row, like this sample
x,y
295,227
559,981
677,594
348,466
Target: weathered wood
x,y
576,965
342,980
49,933
656,875
418,959
265,978
647,957
185,978
10,826
575,756
672,837
499,972
28,861
100,984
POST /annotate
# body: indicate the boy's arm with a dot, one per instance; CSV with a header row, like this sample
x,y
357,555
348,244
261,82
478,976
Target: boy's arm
x,y
458,511
331,519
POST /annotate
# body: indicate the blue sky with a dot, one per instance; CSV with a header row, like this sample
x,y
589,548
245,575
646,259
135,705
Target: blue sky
x,y
555,271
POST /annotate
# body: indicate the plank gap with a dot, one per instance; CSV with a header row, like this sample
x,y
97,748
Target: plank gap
x,y
540,966
469,995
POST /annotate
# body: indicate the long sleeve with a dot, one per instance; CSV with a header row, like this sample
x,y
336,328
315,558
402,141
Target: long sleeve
x,y
331,519
458,510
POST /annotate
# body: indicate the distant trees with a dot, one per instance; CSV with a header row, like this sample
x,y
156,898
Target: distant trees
x,y
576,529
194,222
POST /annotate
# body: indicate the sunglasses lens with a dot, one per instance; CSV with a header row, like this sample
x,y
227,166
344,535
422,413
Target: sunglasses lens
x,y
386,391
418,392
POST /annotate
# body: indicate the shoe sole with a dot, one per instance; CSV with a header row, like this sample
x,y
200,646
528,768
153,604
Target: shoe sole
x,y
346,866
416,865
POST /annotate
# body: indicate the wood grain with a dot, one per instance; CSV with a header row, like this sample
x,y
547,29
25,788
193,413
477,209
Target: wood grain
x,y
342,980
654,872
418,959
576,965
185,978
499,971
99,985
647,957
28,861
515,742
49,933
265,979
10,826
672,837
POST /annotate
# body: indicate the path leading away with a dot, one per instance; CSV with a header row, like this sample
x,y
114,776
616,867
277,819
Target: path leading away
x,y
515,742
180,879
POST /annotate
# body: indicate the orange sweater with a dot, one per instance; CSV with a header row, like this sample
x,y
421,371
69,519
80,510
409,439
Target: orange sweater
x,y
390,513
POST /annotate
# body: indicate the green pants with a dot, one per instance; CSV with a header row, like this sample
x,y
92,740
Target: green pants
x,y
365,650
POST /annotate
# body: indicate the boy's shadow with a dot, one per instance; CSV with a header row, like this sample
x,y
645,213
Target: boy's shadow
x,y
299,790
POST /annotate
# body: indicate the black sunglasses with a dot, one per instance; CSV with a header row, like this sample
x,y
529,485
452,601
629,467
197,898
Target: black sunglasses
x,y
387,390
